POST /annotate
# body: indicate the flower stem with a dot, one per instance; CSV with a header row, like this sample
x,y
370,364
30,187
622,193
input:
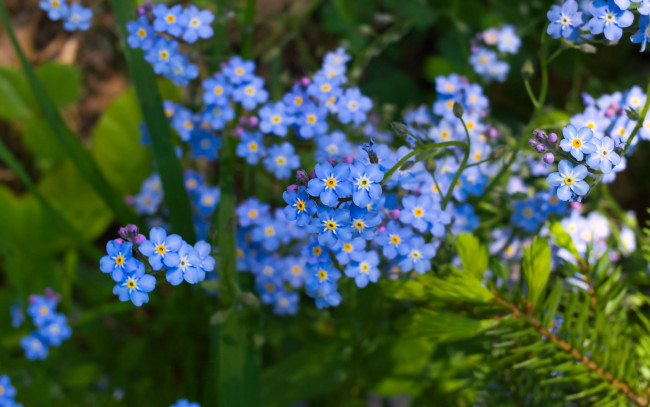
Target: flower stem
x,y
463,165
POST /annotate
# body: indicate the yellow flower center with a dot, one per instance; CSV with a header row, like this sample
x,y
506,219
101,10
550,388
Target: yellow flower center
x,y
591,125
270,231
364,267
239,71
252,146
576,143
330,225
528,213
55,3
449,87
252,213
295,270
161,249
240,253
322,274
2,390
300,205
347,247
358,225
142,33
164,55
394,239
130,284
317,251
418,212
170,18
298,101
270,287
325,87
250,90
331,182
311,118
277,119
191,183
43,310
568,180
218,90
119,260
445,135
280,160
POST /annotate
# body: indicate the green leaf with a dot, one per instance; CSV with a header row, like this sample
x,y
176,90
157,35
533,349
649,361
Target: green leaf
x,y
169,168
455,286
444,326
116,145
71,144
561,238
15,100
39,138
472,254
536,265
61,82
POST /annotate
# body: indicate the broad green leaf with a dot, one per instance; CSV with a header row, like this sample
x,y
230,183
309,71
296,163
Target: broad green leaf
x,y
116,145
561,238
472,254
15,102
169,168
455,286
61,82
536,266
443,326
39,138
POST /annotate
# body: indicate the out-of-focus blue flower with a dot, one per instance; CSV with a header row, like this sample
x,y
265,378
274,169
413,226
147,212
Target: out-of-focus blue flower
x,y
41,309
251,147
643,35
364,269
286,303
185,403
295,271
527,215
325,89
217,116
394,240
282,160
216,91
205,144
274,119
252,212
311,121
167,19
333,146
419,256
604,156
352,107
268,232
196,23
188,267
206,200
55,9
299,207
78,18
322,277
56,330
7,391
345,252
35,348
141,34
239,71
364,222
508,40
251,93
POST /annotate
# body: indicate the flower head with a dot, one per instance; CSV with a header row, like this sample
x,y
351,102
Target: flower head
x,y
569,180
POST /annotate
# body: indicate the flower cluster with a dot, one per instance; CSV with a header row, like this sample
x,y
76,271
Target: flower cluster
x,y
185,403
156,32
180,260
75,16
607,17
485,60
7,393
51,327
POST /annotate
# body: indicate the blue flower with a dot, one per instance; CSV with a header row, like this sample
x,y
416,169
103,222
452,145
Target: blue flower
x,y
268,233
577,142
364,222
167,19
508,40
161,55
181,71
56,330
326,299
184,123
331,183
311,121
448,86
251,94
204,251
366,181
324,88
78,18
527,215
273,119
417,212
331,225
352,107
205,144
17,316
336,60
295,100
295,271
136,285
216,91
419,256
281,160
251,147
565,21
609,19
141,34
206,200
239,71
217,116
185,403
604,156
56,9
41,309
364,269
286,303
644,7
188,267
592,118
465,220
314,252
196,24
161,249
7,391
569,180
482,60
118,261
475,99
299,206
322,277
394,240
333,146
346,252
252,212
643,35
150,195
35,348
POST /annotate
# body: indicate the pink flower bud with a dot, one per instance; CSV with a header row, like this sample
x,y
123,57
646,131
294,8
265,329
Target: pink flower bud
x,y
139,238
313,173
381,229
394,213
119,241
552,138
576,205
305,81
253,121
239,131
609,113
292,187
348,159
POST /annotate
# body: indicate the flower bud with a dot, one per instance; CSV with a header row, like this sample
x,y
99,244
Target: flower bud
x,y
493,132
552,138
533,143
333,161
633,114
348,159
305,81
527,70
302,177
610,112
394,213
540,135
458,110
292,187
253,121
399,128
576,205
540,148
548,158
587,48
119,241
239,131
313,173
139,238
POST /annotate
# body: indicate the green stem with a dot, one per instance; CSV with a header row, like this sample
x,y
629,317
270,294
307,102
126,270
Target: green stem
x,y
532,97
463,165
249,27
426,147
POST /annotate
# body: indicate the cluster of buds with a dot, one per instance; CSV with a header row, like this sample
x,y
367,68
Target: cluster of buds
x,y
544,143
129,233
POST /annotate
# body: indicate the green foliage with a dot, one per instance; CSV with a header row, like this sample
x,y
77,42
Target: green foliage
x,y
472,254
536,266
443,326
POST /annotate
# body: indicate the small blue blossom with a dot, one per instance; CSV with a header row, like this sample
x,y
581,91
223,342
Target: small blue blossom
x,y
282,160
366,179
136,285
330,183
295,100
204,251
417,212
643,35
286,303
527,215
314,251
35,347
217,91
352,107
251,94
196,24
364,269
218,116
185,403
419,256
56,330
252,212
577,142
604,157
161,55
322,277
333,146
41,309
251,147
119,259
394,240
311,121
364,222
188,267
141,34
7,391
161,249
55,9
167,19
181,71
299,206
508,40
295,271
184,123
205,144
569,180
324,88
565,21
206,200
17,316
331,225
346,252
78,18
239,71
609,19
274,119
268,232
